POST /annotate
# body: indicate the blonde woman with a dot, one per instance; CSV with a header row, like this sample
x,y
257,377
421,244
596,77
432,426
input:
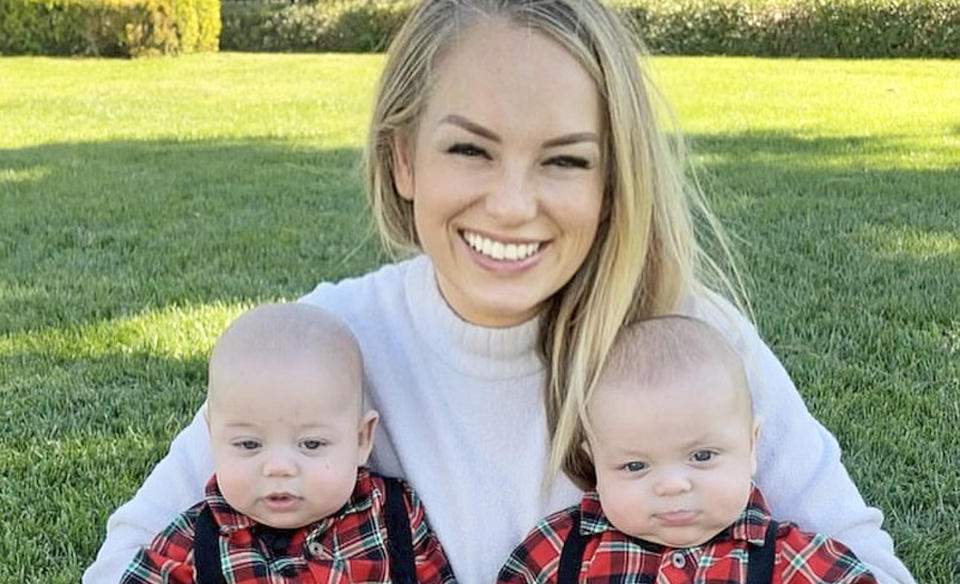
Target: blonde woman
x,y
514,151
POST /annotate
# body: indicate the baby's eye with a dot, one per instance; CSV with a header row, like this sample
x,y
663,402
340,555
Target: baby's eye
x,y
569,162
703,455
312,444
468,150
247,444
634,466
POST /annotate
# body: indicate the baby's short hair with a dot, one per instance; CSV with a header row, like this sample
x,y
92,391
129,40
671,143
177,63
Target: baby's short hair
x,y
284,332
654,350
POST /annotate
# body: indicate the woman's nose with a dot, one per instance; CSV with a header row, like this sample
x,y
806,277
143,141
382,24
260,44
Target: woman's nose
x,y
512,198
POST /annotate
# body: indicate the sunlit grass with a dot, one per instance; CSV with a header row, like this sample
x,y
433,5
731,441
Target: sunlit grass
x,y
145,203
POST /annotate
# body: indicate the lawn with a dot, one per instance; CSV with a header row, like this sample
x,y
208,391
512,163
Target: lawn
x,y
143,204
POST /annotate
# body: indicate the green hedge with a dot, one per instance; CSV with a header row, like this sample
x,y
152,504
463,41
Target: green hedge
x,y
128,28
801,28
808,28
329,25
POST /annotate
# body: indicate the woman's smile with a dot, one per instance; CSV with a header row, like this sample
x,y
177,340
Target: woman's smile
x,y
501,250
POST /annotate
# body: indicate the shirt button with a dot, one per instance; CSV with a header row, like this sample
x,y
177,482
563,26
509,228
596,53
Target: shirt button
x,y
677,559
316,550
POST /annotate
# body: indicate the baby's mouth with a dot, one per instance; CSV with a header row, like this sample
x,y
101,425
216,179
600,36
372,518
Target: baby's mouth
x,y
281,501
678,517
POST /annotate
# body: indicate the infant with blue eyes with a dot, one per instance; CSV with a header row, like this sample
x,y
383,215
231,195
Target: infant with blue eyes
x,y
668,454
290,499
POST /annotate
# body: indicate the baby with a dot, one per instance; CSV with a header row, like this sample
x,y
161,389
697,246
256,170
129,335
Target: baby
x,y
290,499
670,452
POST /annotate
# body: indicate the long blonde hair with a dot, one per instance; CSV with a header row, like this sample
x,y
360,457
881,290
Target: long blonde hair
x,y
645,257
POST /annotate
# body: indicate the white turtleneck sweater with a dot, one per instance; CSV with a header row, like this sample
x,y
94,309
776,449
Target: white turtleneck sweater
x,y
462,419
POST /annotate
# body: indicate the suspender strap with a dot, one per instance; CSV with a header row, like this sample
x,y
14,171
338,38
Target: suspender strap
x,y
759,566
206,549
571,556
206,546
403,567
761,559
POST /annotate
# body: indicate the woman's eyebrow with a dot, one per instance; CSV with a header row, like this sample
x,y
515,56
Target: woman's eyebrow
x,y
469,126
572,139
458,120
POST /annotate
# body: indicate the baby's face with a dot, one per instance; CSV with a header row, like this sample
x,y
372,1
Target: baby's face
x,y
286,439
674,462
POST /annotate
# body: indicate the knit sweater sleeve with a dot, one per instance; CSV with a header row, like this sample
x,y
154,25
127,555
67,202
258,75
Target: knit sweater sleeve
x,y
798,460
175,484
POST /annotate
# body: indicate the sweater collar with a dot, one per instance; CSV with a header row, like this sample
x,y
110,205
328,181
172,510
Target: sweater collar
x,y
489,353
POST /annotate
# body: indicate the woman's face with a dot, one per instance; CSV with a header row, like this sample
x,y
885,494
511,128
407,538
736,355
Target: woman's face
x,y
505,172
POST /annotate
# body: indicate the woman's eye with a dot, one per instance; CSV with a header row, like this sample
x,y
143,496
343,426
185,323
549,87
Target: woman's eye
x,y
468,150
247,444
569,162
703,455
634,466
312,444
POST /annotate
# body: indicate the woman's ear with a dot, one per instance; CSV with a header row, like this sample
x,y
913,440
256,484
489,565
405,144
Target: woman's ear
x,y
368,423
402,167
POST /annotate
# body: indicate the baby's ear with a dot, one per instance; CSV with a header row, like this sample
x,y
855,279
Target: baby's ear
x,y
754,436
368,424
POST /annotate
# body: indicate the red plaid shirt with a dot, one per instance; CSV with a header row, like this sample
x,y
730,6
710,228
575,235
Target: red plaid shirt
x,y
610,555
347,547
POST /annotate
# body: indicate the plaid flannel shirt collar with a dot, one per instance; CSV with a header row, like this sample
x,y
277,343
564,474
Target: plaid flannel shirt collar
x,y
229,520
751,526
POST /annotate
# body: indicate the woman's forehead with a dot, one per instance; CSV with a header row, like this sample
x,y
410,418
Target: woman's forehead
x,y
498,74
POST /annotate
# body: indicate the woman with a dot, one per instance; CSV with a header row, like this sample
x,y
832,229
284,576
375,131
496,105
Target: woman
x,y
514,144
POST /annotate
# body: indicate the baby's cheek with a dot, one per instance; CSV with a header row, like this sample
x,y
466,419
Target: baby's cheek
x,y
331,482
624,507
236,486
730,498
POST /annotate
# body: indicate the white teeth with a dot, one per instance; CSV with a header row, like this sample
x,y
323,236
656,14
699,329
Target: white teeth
x,y
499,250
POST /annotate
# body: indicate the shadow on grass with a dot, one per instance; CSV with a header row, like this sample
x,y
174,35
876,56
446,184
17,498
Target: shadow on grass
x,y
830,227
95,231
844,182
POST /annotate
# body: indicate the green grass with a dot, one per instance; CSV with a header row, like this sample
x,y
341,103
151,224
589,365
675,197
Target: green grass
x,y
145,203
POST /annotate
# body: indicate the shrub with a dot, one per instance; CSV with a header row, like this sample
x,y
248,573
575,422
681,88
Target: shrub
x,y
802,28
808,28
332,25
109,27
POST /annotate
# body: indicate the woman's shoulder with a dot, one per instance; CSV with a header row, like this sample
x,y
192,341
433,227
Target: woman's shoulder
x,y
371,302
388,279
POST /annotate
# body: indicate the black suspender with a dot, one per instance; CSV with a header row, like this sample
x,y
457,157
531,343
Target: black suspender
x,y
759,564
403,569
206,546
760,559
571,556
206,549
